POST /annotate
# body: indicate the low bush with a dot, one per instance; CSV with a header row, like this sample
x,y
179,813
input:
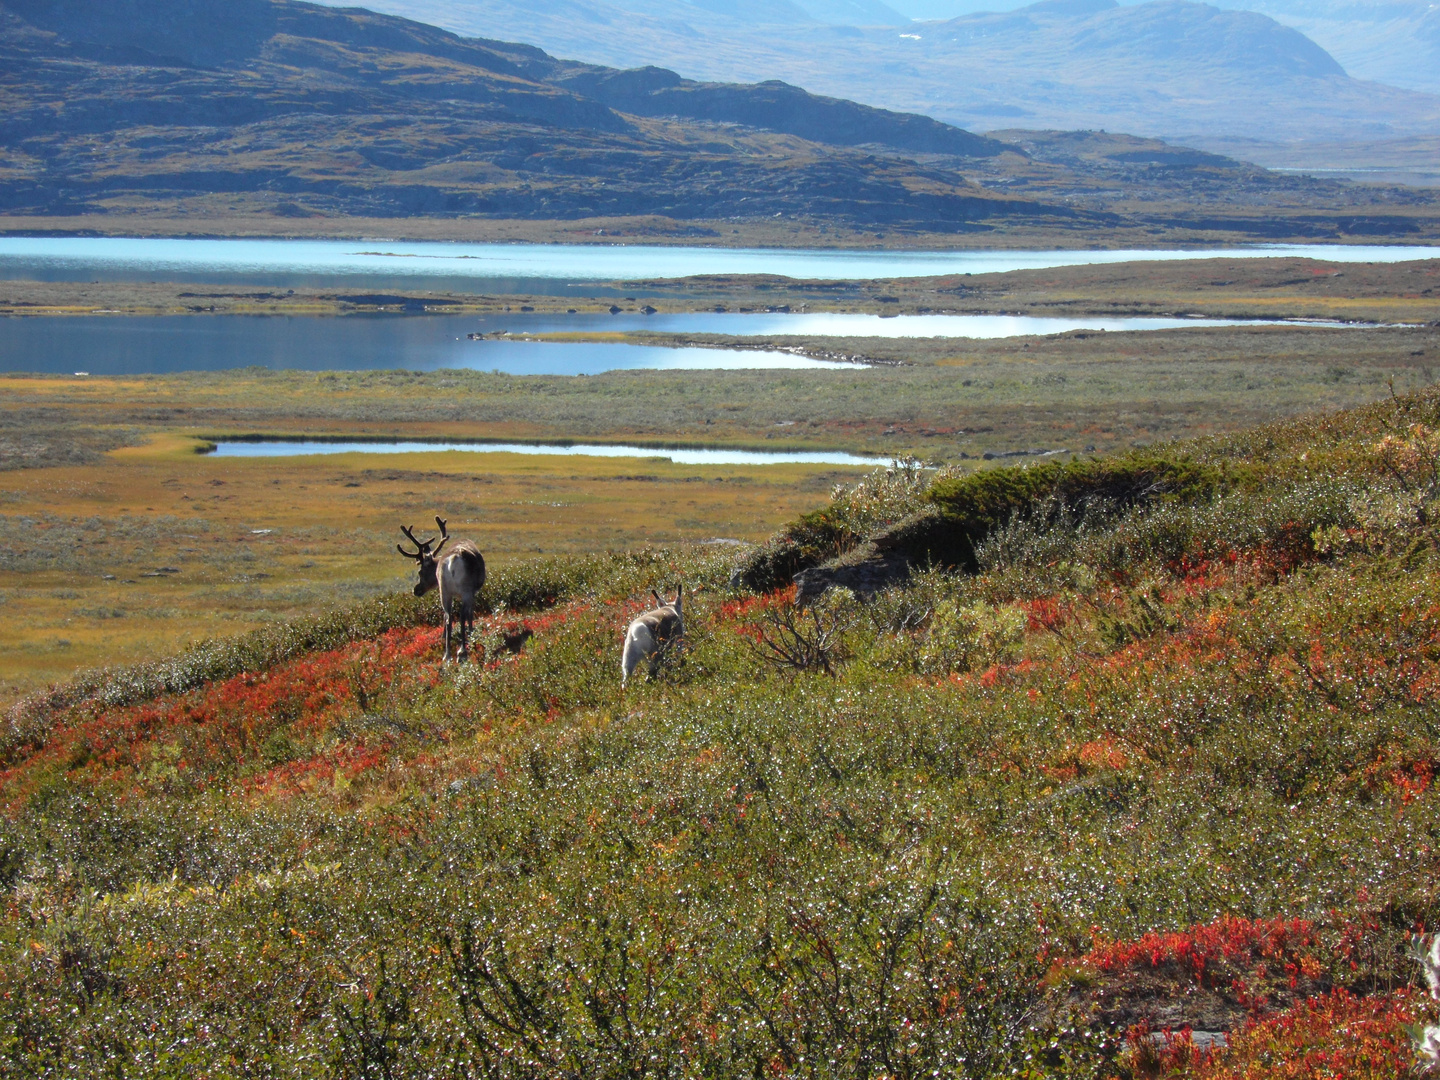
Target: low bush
x,y
1337,1035
881,499
1159,764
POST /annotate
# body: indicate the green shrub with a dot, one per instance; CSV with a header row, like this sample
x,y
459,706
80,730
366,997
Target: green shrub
x,y
975,506
880,499
969,637
1193,714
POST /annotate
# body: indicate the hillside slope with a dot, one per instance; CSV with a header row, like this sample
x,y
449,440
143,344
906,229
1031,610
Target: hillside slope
x,y
1168,68
1123,748
1390,41
223,111
367,114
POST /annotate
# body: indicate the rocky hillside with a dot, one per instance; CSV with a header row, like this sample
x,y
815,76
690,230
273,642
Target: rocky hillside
x,y
352,112
258,107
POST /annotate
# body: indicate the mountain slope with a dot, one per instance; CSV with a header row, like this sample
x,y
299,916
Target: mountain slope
x,y
853,12
773,105
297,109
1390,41
363,113
1166,68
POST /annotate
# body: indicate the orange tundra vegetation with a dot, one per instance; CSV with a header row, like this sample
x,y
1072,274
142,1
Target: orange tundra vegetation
x,y
1139,784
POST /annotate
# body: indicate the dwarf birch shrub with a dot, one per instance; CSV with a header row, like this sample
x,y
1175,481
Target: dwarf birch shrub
x,y
513,870
882,498
963,638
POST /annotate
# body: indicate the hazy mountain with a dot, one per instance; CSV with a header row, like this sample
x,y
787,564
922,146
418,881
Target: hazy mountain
x,y
854,12
1389,41
1166,68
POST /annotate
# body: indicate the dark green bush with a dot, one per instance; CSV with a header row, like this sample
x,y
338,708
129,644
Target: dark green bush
x,y
878,501
810,540
972,507
964,509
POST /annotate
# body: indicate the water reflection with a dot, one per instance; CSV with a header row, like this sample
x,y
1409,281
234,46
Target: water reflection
x,y
133,345
551,269
136,345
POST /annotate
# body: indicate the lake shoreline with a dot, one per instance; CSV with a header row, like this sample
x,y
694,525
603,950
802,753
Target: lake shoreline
x,y
268,447
651,230
1294,288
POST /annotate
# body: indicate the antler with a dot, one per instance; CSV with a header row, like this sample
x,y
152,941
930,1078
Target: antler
x,y
422,546
444,533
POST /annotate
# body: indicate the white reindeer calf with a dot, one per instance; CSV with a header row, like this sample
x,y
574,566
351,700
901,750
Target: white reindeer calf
x,y
650,634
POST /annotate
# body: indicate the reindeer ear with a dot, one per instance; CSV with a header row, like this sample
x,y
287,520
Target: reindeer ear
x,y
658,601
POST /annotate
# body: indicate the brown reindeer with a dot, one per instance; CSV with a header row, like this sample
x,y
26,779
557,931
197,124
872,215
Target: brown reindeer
x,y
459,574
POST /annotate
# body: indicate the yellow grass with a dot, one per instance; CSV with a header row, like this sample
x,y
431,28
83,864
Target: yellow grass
x,y
255,540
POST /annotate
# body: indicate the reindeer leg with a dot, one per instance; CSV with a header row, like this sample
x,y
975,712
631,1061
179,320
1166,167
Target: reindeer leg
x,y
445,619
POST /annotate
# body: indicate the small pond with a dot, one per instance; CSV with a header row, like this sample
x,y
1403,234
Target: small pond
x,y
683,456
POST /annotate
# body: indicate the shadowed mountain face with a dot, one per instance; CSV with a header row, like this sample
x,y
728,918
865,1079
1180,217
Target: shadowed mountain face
x,y
294,108
1168,68
192,31
364,113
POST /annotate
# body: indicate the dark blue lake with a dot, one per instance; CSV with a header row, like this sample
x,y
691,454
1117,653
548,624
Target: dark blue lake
x,y
143,344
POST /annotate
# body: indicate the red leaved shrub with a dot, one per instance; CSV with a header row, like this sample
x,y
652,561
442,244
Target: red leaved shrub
x,y
1336,1036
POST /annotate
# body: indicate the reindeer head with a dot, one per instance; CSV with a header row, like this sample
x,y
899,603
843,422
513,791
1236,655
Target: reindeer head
x,y
677,605
425,554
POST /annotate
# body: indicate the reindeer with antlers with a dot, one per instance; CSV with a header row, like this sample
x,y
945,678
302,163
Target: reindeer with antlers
x,y
459,574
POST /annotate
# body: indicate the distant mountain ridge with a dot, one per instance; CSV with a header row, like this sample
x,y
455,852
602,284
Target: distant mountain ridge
x,y
203,33
853,12
1391,41
1162,32
1396,42
352,112
1167,68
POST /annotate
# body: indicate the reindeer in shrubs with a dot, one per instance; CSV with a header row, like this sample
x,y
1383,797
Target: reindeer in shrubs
x,y
651,634
459,574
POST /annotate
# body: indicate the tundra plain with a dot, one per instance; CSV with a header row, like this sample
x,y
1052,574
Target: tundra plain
x,y
108,466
